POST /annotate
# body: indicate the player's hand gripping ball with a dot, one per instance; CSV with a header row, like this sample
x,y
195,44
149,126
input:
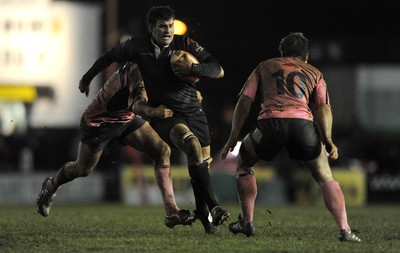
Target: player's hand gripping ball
x,y
181,63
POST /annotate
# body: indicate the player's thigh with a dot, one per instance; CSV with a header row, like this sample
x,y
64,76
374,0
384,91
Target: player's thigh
x,y
87,157
320,168
247,156
182,137
177,134
146,139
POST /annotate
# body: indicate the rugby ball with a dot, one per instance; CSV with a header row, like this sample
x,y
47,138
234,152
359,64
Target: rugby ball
x,y
179,57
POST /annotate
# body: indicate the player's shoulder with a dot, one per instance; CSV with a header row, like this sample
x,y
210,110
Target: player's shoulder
x,y
137,41
311,68
268,62
294,61
136,46
309,65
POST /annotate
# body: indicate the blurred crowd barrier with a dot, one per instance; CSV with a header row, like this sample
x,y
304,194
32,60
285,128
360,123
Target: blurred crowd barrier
x,y
139,187
23,188
353,184
134,186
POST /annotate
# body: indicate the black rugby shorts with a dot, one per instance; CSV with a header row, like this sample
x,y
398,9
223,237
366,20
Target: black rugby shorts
x,y
299,137
97,138
197,123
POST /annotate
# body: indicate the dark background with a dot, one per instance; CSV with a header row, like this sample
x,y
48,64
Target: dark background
x,y
240,34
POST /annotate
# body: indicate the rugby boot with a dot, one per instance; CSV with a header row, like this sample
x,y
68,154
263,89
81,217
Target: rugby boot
x,y
209,227
183,217
238,227
346,236
219,215
46,197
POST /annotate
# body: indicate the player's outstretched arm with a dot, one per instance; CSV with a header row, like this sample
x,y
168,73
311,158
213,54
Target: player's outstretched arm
x,y
240,115
101,63
143,109
208,65
325,120
84,87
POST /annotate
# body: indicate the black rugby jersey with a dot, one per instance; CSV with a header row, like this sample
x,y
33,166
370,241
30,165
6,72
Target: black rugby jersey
x,y
162,85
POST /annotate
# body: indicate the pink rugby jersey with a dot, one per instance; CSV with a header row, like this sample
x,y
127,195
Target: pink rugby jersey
x,y
113,102
288,85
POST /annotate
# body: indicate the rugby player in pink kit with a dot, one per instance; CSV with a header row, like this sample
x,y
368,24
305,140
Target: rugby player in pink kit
x,y
285,87
111,117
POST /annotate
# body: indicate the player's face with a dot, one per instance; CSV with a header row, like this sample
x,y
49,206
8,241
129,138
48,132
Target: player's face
x,y
163,32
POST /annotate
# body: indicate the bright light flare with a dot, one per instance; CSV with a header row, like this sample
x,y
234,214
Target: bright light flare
x,y
180,27
235,151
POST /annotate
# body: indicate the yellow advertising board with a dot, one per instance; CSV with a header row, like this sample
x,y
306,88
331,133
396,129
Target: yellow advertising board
x,y
352,182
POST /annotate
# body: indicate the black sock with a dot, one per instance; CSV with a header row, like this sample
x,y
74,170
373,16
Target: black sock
x,y
201,176
201,205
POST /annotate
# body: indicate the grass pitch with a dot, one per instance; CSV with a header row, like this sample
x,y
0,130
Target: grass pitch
x,y
119,228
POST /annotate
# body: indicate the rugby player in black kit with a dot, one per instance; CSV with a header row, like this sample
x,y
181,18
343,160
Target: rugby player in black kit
x,y
188,128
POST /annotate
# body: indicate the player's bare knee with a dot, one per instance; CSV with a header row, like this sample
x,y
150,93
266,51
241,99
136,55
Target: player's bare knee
x,y
186,139
163,154
190,145
164,150
82,170
85,173
247,156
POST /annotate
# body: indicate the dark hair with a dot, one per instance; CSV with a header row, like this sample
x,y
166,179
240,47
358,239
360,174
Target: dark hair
x,y
157,13
294,44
